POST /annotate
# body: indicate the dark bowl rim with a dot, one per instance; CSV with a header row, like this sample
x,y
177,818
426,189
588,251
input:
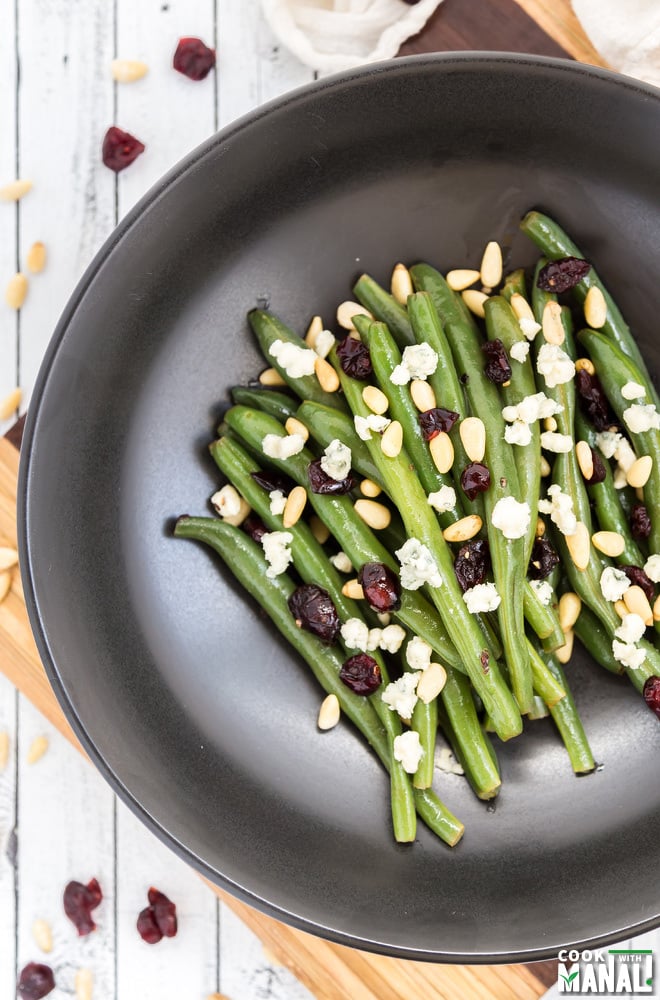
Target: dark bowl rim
x,y
496,61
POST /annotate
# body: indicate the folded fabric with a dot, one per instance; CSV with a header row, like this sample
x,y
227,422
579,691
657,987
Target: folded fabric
x,y
626,34
331,35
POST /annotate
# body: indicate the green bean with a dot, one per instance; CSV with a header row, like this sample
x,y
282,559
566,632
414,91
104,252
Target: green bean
x,y
546,684
597,640
472,748
425,723
384,307
326,425
567,720
543,619
278,404
514,284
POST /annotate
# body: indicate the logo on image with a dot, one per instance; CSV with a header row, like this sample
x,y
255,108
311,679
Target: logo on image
x,y
615,972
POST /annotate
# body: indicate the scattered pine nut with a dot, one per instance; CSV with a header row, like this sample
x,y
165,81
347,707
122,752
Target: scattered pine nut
x,y
313,331
271,377
329,712
461,279
295,505
610,543
237,519
431,682
545,466
539,531
521,307
585,459
347,310
384,618
5,584
43,936
579,546
550,424
295,426
15,190
320,530
656,609
16,291
353,589
595,308
472,431
38,748
401,284
8,558
375,514
84,984
621,609
565,652
327,376
128,70
36,258
553,328
491,265
442,451
4,749
474,300
370,489
585,365
639,493
637,603
10,404
464,529
391,441
639,472
422,395
570,605
375,399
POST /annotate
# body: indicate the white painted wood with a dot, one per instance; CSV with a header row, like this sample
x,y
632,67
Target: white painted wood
x,y
8,711
8,211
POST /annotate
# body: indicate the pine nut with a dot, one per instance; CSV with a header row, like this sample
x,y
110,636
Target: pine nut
x,y
401,284
320,530
295,505
639,493
128,70
610,543
329,712
637,603
656,609
84,984
473,435
375,399
595,308
347,310
553,328
464,529
474,300
621,609
544,466
271,377
539,531
36,258
37,749
550,424
585,459
565,652
8,558
491,265
327,376
461,279
313,331
237,519
4,749
353,589
16,291
15,190
370,489
5,584
391,441
295,426
375,514
570,606
521,307
579,546
431,682
384,617
43,936
422,395
585,365
639,472
442,451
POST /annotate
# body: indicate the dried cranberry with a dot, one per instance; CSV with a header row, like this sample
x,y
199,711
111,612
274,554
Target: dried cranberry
x,y
158,920
361,674
312,606
36,981
270,481
638,578
321,482
381,586
434,421
79,901
355,359
560,275
475,479
472,563
254,527
120,149
651,697
640,522
543,561
599,475
497,368
147,927
194,59
594,401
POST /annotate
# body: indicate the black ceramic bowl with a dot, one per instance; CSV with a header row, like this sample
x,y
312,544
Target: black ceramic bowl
x,y
199,717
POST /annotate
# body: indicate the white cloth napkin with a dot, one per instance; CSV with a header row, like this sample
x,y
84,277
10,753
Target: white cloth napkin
x,y
331,35
626,33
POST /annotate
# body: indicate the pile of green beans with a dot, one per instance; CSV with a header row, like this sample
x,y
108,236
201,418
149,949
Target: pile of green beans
x,y
496,668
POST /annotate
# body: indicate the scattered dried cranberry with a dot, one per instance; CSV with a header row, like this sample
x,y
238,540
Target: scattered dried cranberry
x,y
381,586
270,481
497,368
543,561
651,697
321,482
79,901
638,578
475,479
158,920
312,606
640,522
594,401
147,927
485,661
355,359
36,981
120,149
361,674
560,275
434,421
472,563
599,474
254,527
194,59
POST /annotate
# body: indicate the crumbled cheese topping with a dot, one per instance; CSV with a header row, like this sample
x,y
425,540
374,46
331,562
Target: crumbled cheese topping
x,y
532,408
443,499
276,546
336,460
558,443
276,446
418,362
624,454
374,640
518,433
529,327
355,634
554,365
613,583
227,501
641,417
418,653
652,568
608,442
325,341
374,422
296,361
408,750
543,591
417,566
520,349
483,597
631,629
633,390
628,654
400,695
560,509
620,480
392,638
277,501
511,517
342,562
446,762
